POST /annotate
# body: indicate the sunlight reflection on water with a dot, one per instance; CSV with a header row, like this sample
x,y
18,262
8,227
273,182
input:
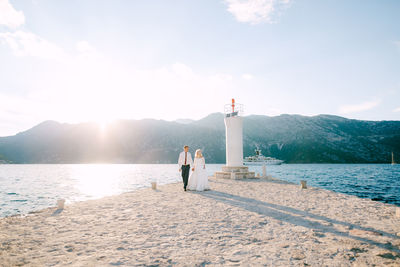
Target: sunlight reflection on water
x,y
24,188
96,180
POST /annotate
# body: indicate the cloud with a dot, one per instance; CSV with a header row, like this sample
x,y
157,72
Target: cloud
x,y
29,44
359,107
396,109
182,70
84,47
221,77
247,76
9,16
25,43
256,11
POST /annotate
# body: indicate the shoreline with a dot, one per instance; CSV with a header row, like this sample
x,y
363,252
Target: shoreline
x,y
250,222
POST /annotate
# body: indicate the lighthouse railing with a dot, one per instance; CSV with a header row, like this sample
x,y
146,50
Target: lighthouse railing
x,y
235,110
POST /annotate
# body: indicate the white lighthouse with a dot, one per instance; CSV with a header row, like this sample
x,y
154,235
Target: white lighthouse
x,y
234,135
234,144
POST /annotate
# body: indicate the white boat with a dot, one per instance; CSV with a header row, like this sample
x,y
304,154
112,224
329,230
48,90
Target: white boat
x,y
393,162
259,159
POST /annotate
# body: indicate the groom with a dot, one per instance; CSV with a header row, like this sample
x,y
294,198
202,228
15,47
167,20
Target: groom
x,y
184,162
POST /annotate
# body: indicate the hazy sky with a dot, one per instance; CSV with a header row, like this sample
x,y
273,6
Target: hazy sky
x,y
84,60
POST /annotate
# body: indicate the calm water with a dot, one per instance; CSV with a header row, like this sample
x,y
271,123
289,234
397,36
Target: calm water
x,y
380,182
24,188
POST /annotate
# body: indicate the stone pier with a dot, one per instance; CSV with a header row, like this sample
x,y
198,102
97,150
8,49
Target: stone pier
x,y
240,172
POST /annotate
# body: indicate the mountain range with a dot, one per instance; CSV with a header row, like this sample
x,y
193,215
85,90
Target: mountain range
x,y
292,138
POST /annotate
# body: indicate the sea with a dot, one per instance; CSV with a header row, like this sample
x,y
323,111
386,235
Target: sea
x,y
26,188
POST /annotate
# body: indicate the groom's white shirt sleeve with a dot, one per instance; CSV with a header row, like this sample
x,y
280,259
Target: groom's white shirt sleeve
x,y
181,159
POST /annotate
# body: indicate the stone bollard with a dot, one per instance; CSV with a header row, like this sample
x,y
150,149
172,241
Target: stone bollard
x,y
397,212
153,185
60,204
303,184
264,171
233,175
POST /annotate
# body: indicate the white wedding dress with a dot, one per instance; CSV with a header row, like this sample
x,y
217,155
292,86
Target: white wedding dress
x,y
198,179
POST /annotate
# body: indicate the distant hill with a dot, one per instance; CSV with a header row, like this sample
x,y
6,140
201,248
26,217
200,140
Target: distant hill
x,y
293,138
184,121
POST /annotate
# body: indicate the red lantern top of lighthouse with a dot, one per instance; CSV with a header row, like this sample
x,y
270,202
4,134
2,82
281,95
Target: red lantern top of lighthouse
x,y
233,109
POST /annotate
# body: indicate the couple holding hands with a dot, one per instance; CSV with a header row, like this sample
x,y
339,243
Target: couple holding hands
x,y
198,180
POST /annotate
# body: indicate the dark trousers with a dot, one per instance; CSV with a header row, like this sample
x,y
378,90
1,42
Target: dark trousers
x,y
185,174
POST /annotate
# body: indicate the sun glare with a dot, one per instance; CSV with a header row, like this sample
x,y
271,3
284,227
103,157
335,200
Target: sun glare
x,y
96,180
102,125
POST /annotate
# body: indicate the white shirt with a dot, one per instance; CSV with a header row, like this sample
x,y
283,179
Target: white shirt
x,y
181,159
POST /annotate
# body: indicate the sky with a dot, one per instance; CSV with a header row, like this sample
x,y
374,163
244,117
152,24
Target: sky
x,y
99,60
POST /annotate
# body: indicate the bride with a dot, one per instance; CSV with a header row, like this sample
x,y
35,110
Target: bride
x,y
198,180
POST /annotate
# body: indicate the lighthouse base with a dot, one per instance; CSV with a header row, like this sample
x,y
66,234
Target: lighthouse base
x,y
239,172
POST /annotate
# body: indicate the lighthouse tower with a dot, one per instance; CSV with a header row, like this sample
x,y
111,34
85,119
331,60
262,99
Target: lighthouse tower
x,y
234,134
234,144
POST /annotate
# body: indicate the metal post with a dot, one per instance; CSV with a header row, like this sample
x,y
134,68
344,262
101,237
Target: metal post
x,y
264,171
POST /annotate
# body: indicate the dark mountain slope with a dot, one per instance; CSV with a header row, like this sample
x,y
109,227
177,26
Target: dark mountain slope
x,y
293,138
